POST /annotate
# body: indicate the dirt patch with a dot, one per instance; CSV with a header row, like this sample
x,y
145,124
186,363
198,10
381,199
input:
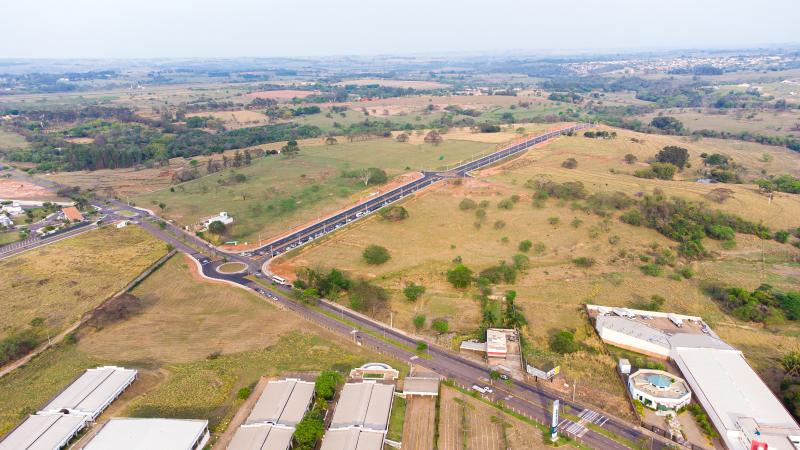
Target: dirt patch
x,y
23,190
282,94
420,417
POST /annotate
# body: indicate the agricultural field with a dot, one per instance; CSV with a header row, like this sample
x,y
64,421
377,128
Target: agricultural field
x,y
420,419
9,140
279,193
49,288
553,289
413,84
770,123
236,119
192,360
468,423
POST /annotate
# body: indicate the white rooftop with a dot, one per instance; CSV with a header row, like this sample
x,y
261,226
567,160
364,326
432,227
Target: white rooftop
x,y
477,346
420,386
352,439
93,391
282,402
262,437
149,434
365,405
44,432
496,341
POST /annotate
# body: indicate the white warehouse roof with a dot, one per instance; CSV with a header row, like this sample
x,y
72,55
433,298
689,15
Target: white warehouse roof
x,y
365,405
149,434
44,432
352,439
262,437
282,402
92,392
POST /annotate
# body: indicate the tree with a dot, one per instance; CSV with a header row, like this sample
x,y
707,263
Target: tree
x,y
440,326
330,140
525,245
563,342
630,158
216,227
291,149
393,213
433,137
413,291
418,321
669,125
248,158
507,117
375,255
466,204
460,276
238,159
309,430
402,137
373,175
326,384
677,156
569,163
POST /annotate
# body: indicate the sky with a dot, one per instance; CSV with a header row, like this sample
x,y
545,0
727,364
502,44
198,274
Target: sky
x,y
313,28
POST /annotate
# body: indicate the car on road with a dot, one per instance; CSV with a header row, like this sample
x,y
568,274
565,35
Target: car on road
x,y
503,376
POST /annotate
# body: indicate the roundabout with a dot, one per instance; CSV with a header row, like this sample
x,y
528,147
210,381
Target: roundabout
x,y
231,268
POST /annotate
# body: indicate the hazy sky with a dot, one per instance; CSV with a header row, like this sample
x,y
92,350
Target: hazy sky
x,y
205,28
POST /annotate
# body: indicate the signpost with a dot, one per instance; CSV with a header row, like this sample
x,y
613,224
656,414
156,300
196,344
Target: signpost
x,y
554,423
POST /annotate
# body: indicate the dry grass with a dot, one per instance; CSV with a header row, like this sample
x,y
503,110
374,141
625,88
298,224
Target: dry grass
x,y
551,293
61,281
414,84
236,119
420,417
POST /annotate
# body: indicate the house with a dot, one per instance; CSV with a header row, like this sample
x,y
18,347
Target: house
x,y
13,209
6,221
72,213
221,217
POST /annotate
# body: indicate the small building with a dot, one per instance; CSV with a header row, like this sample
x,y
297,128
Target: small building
x,y
421,386
624,366
473,346
496,345
262,437
378,371
72,213
221,217
6,221
122,224
124,433
44,432
659,390
13,209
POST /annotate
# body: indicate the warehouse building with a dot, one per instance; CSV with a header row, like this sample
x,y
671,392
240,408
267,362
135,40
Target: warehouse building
x,y
69,412
126,433
739,404
270,425
44,432
92,392
361,418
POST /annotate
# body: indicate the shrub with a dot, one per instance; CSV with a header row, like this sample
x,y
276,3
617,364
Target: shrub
x,y
538,248
630,158
506,203
686,272
375,254
721,232
394,213
632,217
17,345
553,220
499,224
521,262
413,291
651,269
576,223
563,342
782,236
421,346
525,245
467,204
460,276
244,392
584,262
569,190
440,326
569,163
418,321
480,214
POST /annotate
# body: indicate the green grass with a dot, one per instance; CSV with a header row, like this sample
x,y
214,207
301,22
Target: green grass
x,y
10,140
397,419
281,193
9,237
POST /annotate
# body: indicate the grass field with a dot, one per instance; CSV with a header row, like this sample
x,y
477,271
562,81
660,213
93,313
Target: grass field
x,y
467,423
769,123
10,140
551,293
9,237
420,418
196,345
61,281
397,419
280,193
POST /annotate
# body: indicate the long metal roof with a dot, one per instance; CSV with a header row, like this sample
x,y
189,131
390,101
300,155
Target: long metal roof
x,y
93,391
44,432
282,402
147,434
352,439
262,437
365,405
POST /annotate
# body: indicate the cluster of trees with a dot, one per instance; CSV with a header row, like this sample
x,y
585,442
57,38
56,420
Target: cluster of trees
x,y
566,97
782,183
370,176
393,213
120,145
600,134
362,295
764,304
668,161
17,345
311,428
723,169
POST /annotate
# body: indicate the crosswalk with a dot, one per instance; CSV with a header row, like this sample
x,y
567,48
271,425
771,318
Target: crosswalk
x,y
579,429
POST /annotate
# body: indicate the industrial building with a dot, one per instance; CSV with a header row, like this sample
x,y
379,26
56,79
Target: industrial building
x,y
361,418
270,425
741,407
44,432
164,434
92,392
659,390
68,413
